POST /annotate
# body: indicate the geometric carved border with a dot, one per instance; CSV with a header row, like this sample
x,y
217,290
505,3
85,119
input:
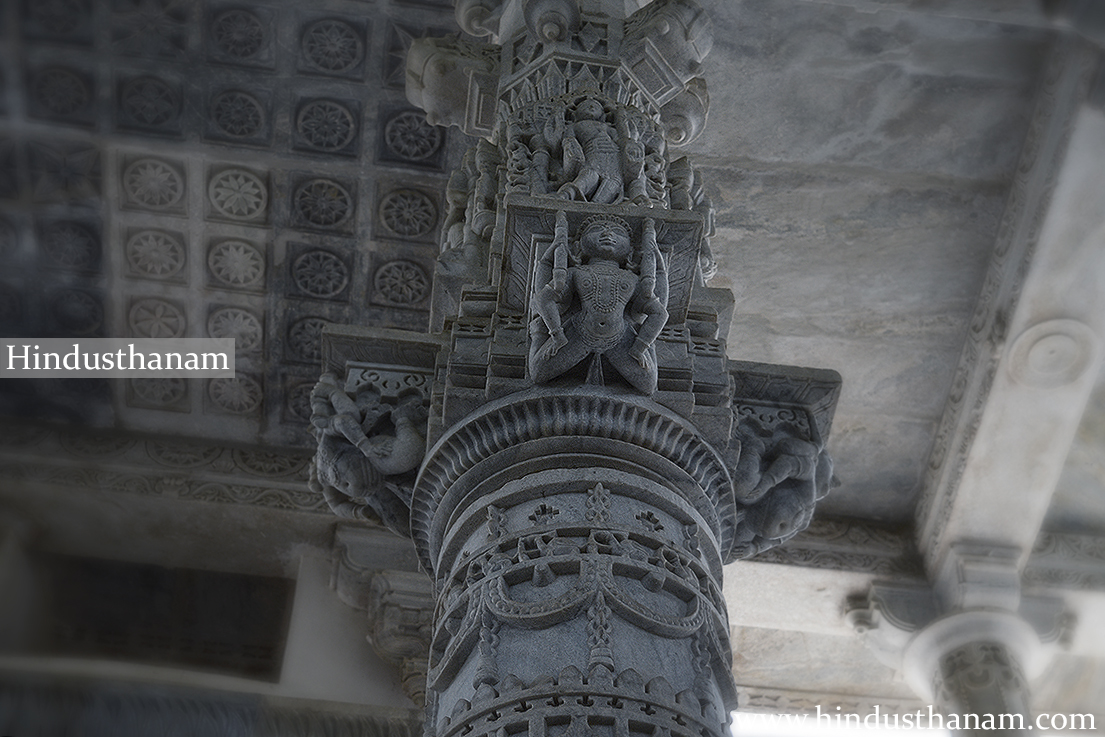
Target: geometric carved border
x,y
849,545
125,710
166,468
1067,562
785,701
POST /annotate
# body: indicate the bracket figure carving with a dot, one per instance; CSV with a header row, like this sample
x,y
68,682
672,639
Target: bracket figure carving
x,y
778,480
368,446
610,303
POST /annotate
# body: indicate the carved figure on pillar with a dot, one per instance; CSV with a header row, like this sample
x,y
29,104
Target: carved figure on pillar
x,y
603,305
365,448
592,159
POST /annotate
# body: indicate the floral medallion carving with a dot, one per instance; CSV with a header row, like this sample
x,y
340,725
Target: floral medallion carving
x,y
332,46
320,274
408,136
299,400
326,125
153,184
236,263
70,245
156,318
239,395
159,391
238,194
149,101
63,172
401,283
62,92
407,213
305,338
77,311
240,325
237,114
151,27
155,253
238,34
323,203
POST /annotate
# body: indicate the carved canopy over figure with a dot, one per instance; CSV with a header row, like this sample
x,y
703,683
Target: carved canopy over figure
x,y
365,448
610,302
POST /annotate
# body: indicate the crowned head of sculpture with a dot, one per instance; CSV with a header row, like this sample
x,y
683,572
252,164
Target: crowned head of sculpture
x,y
605,237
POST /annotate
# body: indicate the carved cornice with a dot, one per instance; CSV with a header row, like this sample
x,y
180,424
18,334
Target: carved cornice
x,y
1065,81
157,467
787,701
1066,562
138,711
849,545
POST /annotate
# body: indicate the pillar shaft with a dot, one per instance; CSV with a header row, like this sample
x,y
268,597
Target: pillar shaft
x,y
575,543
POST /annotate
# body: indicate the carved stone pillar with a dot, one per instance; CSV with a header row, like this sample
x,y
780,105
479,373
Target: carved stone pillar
x,y
984,678
971,644
571,450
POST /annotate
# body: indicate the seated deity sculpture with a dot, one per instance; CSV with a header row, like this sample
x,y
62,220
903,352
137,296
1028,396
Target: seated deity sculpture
x,y
609,303
592,158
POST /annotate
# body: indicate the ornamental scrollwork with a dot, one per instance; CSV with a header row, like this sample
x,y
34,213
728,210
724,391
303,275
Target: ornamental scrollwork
x,y
77,311
61,92
159,392
242,326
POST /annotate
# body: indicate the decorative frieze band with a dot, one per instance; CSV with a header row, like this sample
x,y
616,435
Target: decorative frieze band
x,y
132,711
167,468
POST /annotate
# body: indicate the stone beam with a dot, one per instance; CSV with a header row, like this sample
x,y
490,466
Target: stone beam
x,y
1034,341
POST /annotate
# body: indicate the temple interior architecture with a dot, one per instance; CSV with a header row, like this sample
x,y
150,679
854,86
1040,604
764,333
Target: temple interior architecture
x,y
749,336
